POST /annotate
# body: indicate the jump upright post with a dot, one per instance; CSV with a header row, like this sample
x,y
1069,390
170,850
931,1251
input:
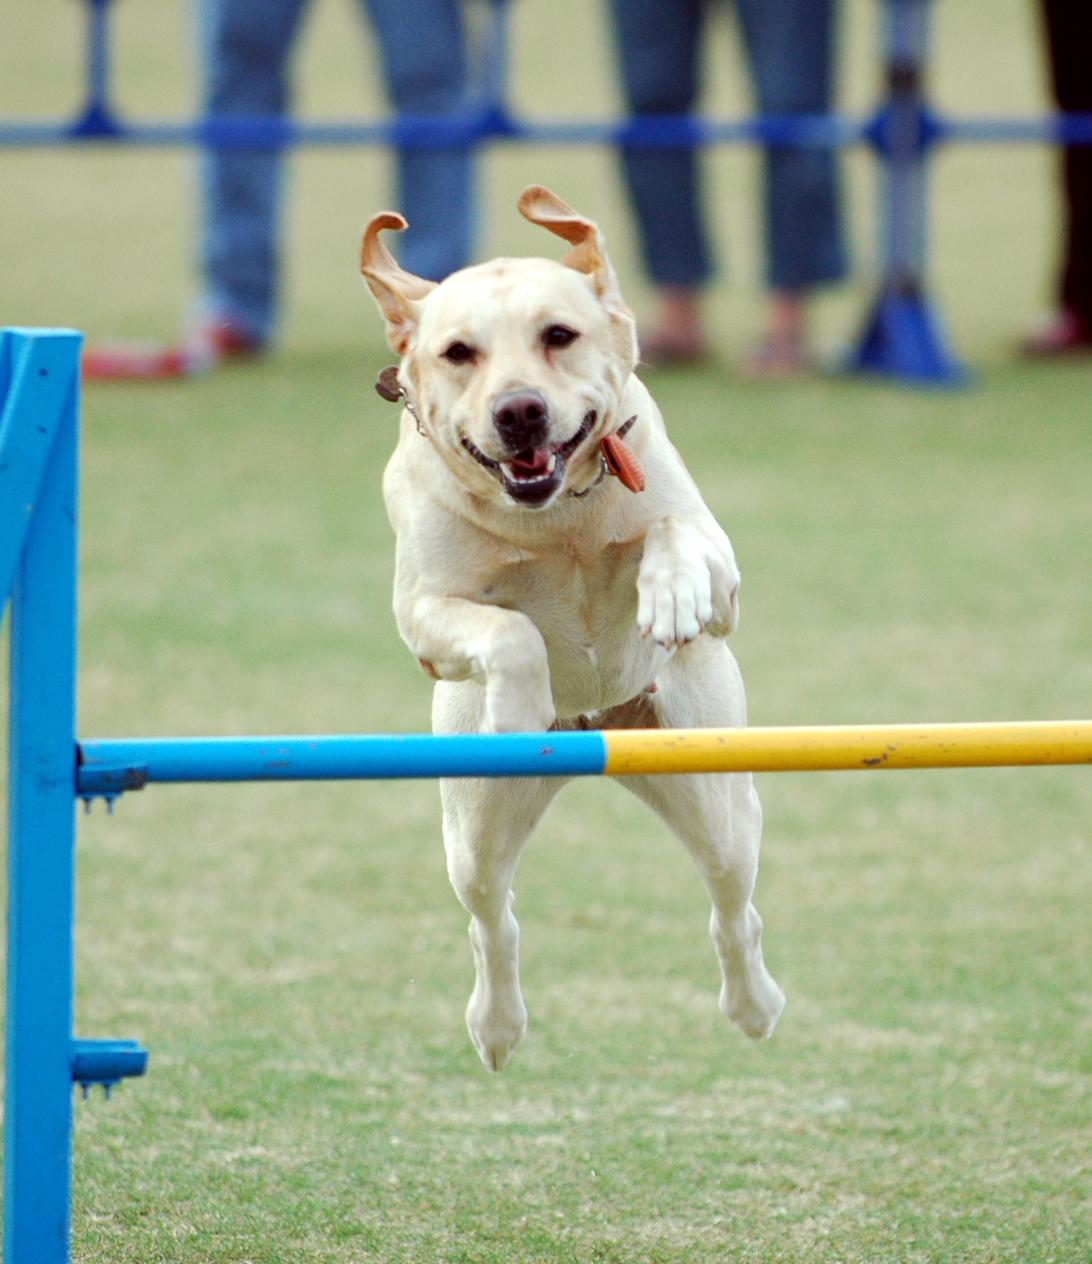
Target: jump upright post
x,y
39,377
38,567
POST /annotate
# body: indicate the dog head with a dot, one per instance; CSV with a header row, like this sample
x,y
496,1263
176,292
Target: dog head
x,y
515,369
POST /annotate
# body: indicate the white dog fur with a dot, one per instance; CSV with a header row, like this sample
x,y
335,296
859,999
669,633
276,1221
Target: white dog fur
x,y
538,591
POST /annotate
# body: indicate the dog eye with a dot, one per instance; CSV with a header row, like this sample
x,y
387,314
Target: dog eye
x,y
460,353
559,336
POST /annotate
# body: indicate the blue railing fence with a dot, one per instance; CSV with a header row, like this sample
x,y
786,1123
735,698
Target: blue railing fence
x,y
902,334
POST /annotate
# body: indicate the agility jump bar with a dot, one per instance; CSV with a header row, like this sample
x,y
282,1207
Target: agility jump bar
x,y
109,766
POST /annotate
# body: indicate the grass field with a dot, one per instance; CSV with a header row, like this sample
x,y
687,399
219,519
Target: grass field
x,y
293,956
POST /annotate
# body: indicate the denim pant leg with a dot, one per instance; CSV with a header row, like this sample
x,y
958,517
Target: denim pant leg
x,y
245,47
423,49
790,46
657,46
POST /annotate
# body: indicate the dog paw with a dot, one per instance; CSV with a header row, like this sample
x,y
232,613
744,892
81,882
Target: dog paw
x,y
755,1011
674,596
688,583
750,996
495,1029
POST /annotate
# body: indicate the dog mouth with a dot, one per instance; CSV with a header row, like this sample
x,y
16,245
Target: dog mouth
x,y
532,476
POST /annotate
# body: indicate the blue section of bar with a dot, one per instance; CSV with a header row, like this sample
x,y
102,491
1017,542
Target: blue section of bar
x,y
108,766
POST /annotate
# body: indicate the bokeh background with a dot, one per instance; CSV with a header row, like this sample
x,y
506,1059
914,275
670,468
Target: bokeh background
x,y
120,225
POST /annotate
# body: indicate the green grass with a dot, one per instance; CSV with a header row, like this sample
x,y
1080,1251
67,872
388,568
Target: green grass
x,y
294,957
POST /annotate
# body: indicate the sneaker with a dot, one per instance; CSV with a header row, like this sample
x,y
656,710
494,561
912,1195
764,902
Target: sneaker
x,y
206,343
118,360
208,340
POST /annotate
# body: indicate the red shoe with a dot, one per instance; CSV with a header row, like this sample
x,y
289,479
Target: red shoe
x,y
208,340
1068,333
117,360
206,344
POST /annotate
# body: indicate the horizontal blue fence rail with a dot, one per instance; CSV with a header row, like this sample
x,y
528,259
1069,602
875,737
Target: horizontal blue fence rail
x,y
817,131
443,131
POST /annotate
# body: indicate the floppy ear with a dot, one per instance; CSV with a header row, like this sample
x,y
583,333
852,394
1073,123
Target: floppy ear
x,y
588,253
396,291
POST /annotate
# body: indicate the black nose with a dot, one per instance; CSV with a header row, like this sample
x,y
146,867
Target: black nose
x,y
522,419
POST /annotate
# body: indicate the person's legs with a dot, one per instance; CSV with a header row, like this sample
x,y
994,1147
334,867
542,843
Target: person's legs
x,y
423,49
790,46
1069,37
657,45
246,45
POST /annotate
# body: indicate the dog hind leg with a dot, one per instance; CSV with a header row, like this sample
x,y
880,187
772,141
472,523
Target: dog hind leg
x,y
718,818
487,822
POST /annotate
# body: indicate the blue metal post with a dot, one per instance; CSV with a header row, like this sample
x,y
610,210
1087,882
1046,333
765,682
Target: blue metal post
x,y
492,70
97,117
903,336
39,373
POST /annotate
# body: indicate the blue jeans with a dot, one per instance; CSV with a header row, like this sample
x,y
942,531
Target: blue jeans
x,y
789,45
246,48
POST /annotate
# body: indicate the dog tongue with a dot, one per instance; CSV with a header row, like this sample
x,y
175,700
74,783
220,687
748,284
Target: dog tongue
x,y
531,462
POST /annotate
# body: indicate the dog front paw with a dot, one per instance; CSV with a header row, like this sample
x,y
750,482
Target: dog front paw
x,y
674,595
687,584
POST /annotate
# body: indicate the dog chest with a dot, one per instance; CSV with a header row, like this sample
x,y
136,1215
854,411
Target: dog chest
x,y
585,607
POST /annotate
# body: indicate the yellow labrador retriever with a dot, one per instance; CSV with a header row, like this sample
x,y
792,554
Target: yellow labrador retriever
x,y
557,567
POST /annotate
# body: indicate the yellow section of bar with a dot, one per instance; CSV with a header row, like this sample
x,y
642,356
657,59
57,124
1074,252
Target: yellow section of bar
x,y
633,751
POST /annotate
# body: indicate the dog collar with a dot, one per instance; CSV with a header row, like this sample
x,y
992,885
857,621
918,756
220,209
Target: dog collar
x,y
616,457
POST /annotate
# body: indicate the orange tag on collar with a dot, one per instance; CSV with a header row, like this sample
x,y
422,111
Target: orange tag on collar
x,y
622,463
